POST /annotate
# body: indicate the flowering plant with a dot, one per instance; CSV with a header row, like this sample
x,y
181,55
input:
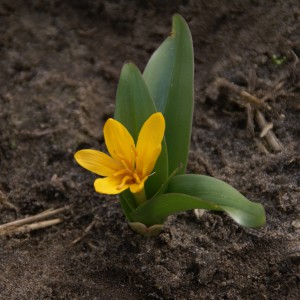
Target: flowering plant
x,y
148,141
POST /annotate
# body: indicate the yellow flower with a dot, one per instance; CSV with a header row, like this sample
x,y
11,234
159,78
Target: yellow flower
x,y
128,165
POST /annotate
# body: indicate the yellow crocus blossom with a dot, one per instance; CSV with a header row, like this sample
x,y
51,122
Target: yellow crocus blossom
x,y
128,165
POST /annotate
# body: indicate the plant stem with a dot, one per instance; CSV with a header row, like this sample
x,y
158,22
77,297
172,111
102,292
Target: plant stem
x,y
140,197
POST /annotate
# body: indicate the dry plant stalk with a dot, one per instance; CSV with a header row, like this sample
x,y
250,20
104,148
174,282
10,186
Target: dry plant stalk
x,y
4,201
29,227
30,223
267,132
265,127
222,82
85,232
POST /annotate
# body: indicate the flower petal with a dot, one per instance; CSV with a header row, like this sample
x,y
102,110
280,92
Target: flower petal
x,y
149,143
119,142
110,185
137,187
97,162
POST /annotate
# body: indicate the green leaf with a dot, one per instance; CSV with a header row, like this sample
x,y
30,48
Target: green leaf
x,y
188,192
164,186
221,194
134,105
169,75
156,210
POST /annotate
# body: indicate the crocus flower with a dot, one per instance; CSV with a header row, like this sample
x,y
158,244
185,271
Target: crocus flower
x,y
129,165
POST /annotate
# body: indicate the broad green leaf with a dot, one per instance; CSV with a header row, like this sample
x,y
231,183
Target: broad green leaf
x,y
169,75
156,210
134,105
221,194
186,192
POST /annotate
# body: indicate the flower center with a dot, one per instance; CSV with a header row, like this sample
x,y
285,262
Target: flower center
x,y
130,176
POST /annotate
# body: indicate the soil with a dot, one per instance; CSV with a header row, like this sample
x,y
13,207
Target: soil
x,y
60,62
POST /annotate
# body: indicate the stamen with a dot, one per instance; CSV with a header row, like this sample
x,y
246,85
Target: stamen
x,y
136,177
135,153
122,157
125,165
135,156
123,172
123,182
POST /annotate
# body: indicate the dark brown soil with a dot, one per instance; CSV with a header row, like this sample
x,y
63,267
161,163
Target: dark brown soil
x,y
60,62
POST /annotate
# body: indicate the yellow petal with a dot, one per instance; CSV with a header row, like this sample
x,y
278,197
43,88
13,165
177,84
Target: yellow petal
x,y
149,143
110,185
119,142
137,187
97,162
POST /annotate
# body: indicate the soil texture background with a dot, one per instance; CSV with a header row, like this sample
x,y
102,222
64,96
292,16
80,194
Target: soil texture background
x,y
59,68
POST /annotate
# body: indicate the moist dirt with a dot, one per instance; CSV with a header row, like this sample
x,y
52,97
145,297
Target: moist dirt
x,y
59,68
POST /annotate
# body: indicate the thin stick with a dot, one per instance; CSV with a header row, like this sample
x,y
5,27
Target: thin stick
x,y
85,232
250,125
206,165
30,227
40,133
242,93
4,201
43,215
254,100
261,147
270,137
265,130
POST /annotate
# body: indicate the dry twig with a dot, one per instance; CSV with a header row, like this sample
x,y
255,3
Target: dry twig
x,y
247,97
41,133
250,123
206,164
85,232
254,106
5,202
29,227
30,223
267,132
